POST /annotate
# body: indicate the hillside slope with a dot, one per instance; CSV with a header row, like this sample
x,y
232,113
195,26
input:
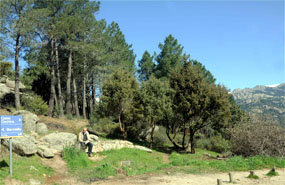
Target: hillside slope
x,y
265,100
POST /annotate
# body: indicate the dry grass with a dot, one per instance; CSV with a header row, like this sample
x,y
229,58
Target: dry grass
x,y
4,112
63,124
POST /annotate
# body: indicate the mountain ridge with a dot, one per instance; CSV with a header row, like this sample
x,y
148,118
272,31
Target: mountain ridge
x,y
267,100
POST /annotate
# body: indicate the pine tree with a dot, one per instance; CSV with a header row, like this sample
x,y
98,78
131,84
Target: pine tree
x,y
146,66
17,24
170,58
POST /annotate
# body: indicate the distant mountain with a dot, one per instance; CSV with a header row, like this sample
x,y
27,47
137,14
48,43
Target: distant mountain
x,y
266,100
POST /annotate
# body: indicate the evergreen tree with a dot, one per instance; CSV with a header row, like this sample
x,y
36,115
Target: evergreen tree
x,y
197,103
117,99
155,101
118,51
146,66
207,74
71,24
170,58
16,26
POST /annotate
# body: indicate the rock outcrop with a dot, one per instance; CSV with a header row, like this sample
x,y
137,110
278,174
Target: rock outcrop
x,y
25,145
7,86
4,90
58,140
41,128
29,120
45,151
101,146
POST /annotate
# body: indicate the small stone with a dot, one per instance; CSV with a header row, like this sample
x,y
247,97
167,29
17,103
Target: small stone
x,y
126,163
34,182
33,168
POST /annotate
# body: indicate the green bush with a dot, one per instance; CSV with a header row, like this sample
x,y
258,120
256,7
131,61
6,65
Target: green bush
x,y
69,116
106,126
75,158
215,143
105,170
272,173
34,103
6,68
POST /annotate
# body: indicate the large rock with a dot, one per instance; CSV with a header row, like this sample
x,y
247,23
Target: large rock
x,y
45,151
4,90
41,128
25,145
59,140
3,79
29,120
11,84
101,146
93,137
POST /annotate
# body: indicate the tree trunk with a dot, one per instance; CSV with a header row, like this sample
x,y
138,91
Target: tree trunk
x,y
122,128
190,145
75,97
172,139
68,90
90,107
151,134
94,90
184,135
55,99
17,74
60,100
52,87
84,90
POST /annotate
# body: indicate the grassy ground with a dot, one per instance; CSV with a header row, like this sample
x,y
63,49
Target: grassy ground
x,y
199,163
115,162
134,162
24,168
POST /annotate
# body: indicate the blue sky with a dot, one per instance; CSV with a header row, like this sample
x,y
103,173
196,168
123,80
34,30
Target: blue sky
x,y
240,42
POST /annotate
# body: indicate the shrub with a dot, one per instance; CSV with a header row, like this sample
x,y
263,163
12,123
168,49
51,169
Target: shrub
x,y
104,125
34,103
252,176
69,116
5,68
75,158
214,143
105,170
258,138
272,173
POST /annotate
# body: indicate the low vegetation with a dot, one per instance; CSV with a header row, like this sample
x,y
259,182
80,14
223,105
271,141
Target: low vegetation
x,y
272,173
134,162
25,168
35,104
257,137
252,176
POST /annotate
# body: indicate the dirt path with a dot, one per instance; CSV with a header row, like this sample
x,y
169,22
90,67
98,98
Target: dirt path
x,y
61,175
200,179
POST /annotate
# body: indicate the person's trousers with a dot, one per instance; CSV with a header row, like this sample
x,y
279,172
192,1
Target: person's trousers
x,y
89,145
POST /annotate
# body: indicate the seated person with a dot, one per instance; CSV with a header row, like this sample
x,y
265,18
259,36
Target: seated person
x,y
85,140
